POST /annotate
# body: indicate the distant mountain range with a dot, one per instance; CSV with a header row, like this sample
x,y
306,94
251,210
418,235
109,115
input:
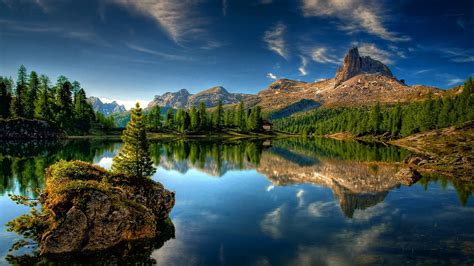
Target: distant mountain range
x,y
210,97
361,80
105,108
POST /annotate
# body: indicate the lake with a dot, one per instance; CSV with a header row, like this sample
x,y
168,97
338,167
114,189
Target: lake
x,y
278,202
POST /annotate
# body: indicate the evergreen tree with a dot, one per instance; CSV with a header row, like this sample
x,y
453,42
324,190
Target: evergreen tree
x,y
18,105
5,97
194,118
218,116
203,116
375,118
239,119
83,112
169,119
134,157
153,118
64,103
43,103
31,95
396,121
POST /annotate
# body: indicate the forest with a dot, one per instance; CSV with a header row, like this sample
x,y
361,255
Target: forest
x,y
198,119
64,103
394,121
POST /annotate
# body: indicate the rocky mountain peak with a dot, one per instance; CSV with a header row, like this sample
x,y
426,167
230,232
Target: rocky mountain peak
x,y
105,108
355,65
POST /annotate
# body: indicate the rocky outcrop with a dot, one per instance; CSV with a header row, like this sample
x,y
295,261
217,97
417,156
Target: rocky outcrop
x,y
85,208
105,108
408,176
177,99
29,129
355,65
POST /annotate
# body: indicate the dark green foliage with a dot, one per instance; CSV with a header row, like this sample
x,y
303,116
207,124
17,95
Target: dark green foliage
x,y
83,112
5,97
19,101
34,98
396,121
134,157
31,95
153,118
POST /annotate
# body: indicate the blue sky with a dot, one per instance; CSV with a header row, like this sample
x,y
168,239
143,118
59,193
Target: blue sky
x,y
132,50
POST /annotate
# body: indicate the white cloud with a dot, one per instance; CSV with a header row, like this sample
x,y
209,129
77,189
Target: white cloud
x,y
178,19
156,53
271,76
320,209
376,53
129,104
274,38
320,55
355,15
455,81
302,69
271,223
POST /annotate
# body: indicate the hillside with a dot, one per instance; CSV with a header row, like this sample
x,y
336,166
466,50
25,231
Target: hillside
x,y
360,81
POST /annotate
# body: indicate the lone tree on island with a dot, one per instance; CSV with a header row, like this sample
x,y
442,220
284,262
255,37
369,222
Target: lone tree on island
x,y
134,157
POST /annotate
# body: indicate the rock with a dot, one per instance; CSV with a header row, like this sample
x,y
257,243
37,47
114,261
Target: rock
x,y
408,176
416,160
85,208
21,128
354,65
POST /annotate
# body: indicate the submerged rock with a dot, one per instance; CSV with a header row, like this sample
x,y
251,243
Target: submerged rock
x,y
85,208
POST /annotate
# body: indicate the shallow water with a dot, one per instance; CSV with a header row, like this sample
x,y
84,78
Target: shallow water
x,y
297,202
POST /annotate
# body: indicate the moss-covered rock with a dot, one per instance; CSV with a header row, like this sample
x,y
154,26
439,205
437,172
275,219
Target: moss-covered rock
x,y
21,128
86,208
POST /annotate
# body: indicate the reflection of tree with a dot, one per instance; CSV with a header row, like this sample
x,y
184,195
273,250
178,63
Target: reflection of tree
x,y
22,164
347,150
463,189
213,157
135,252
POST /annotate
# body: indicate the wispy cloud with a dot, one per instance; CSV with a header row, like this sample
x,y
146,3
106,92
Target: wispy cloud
x,y
179,19
225,5
459,55
422,71
274,38
271,76
321,55
354,15
454,81
302,69
157,53
375,52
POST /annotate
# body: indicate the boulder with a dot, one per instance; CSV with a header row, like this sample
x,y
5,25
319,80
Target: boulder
x,y
408,176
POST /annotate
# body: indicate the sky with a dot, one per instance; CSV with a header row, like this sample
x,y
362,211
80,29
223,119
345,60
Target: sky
x,y
130,50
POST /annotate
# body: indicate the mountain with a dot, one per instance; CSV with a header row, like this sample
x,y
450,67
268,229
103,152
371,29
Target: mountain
x,y
105,108
210,97
359,81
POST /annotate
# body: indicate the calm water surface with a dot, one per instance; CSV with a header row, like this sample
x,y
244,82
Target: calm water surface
x,y
285,202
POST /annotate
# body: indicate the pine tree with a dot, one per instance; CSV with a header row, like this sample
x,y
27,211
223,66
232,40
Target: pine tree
x,y
83,112
134,157
239,119
153,118
375,118
5,97
195,118
203,116
218,116
31,95
43,103
18,105
64,103
169,119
